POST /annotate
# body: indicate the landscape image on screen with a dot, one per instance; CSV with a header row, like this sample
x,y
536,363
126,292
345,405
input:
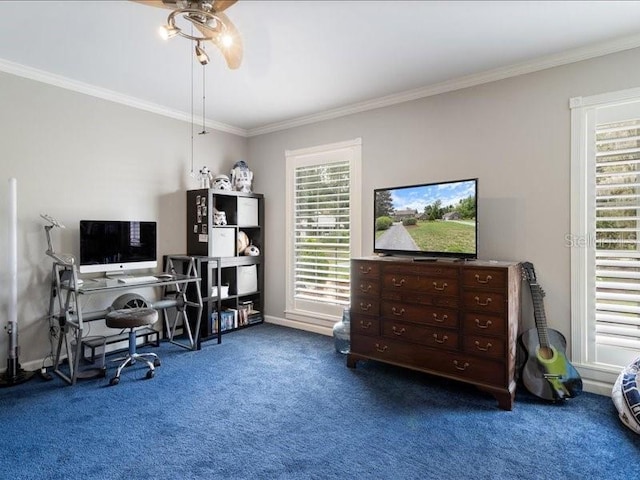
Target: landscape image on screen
x,y
438,219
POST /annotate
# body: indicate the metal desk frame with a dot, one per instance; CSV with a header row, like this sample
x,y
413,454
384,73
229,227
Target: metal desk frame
x,y
65,308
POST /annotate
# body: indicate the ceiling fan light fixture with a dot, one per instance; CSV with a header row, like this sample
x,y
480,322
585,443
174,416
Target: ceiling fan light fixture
x,y
168,31
201,55
226,40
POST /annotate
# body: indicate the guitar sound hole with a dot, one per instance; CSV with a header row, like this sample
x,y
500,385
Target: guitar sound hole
x,y
546,353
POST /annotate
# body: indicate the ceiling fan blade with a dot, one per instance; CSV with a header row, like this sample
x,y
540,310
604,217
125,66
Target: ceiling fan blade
x,y
232,53
221,5
170,4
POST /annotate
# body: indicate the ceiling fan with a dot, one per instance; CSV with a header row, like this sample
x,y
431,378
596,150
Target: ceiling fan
x,y
213,25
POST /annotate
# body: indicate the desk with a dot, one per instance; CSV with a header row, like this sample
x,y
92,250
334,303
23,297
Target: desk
x,y
65,308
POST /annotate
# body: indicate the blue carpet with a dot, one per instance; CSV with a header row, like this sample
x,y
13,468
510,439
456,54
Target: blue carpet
x,y
276,403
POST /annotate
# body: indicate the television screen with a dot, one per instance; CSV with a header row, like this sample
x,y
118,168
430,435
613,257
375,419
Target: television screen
x,y
431,219
110,245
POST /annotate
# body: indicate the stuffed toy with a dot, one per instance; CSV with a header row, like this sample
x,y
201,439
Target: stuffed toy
x,y
221,182
241,177
219,218
626,396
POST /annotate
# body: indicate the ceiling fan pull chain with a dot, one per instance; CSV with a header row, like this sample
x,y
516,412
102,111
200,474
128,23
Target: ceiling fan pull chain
x,y
192,172
204,83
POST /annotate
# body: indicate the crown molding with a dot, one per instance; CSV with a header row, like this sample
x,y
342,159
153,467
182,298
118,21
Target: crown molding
x,y
542,63
105,94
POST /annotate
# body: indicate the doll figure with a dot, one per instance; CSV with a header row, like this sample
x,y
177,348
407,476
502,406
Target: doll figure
x,y
241,177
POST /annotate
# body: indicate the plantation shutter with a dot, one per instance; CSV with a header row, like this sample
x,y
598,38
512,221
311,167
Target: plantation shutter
x,y
321,233
617,223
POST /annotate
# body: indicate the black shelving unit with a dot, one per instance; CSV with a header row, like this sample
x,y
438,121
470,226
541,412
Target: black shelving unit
x,y
239,302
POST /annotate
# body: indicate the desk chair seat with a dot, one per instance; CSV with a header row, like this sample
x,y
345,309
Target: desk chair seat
x,y
132,318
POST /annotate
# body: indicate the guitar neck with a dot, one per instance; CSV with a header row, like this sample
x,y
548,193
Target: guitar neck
x,y
540,317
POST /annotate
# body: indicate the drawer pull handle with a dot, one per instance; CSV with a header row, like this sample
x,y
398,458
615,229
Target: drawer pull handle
x,y
459,367
483,304
440,340
487,324
365,270
444,285
396,312
484,349
381,349
365,325
398,332
487,279
365,306
365,289
440,320
396,283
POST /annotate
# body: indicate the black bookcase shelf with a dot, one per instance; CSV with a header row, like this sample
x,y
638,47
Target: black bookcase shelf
x,y
220,264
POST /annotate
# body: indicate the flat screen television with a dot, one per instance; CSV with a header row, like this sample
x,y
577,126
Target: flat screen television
x,y
112,246
427,220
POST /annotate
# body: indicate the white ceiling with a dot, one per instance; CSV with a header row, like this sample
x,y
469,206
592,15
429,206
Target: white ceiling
x,y
304,60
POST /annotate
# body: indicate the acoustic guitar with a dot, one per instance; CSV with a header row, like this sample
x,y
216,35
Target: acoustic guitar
x,y
546,373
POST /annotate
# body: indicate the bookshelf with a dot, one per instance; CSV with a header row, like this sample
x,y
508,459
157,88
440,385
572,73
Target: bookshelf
x,y
232,282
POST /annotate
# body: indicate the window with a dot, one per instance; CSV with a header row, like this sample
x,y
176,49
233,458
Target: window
x,y
323,221
605,236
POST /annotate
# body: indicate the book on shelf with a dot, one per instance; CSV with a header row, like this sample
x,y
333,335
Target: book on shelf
x,y
227,320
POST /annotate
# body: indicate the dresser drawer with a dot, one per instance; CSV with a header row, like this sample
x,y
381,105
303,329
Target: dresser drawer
x,y
440,317
452,364
421,269
484,277
480,301
429,285
418,298
361,269
479,324
429,336
366,286
484,346
363,325
365,305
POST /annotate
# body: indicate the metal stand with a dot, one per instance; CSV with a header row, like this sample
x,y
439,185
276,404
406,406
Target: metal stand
x,y
181,304
14,375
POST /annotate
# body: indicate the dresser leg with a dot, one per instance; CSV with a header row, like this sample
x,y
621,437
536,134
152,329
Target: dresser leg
x,y
351,361
505,398
505,401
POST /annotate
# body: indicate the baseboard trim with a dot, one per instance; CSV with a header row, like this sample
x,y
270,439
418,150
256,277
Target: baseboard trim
x,y
300,325
599,388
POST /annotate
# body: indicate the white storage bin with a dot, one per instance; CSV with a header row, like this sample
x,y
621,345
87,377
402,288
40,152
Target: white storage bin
x,y
247,212
247,279
222,242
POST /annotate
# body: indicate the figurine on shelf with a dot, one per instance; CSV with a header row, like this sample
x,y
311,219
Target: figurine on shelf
x,y
219,217
205,176
221,182
251,251
243,242
241,177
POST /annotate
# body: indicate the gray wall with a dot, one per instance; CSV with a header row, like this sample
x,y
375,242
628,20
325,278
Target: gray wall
x,y
78,157
514,135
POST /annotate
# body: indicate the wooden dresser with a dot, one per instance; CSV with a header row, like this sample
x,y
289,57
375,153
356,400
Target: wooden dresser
x,y
453,319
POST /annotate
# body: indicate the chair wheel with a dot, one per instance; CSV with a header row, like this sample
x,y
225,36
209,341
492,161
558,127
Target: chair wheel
x,y
156,362
151,374
114,381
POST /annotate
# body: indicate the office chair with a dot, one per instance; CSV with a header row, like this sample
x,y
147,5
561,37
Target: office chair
x,y
132,318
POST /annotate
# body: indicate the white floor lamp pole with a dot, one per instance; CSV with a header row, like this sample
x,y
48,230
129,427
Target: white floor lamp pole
x,y
14,374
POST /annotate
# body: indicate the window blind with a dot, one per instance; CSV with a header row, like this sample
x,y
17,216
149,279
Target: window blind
x,y
322,233
617,223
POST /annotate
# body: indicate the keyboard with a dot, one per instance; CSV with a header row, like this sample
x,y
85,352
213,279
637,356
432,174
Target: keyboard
x,y
139,279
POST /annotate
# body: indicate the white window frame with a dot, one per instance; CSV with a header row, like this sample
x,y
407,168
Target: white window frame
x,y
598,377
316,316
